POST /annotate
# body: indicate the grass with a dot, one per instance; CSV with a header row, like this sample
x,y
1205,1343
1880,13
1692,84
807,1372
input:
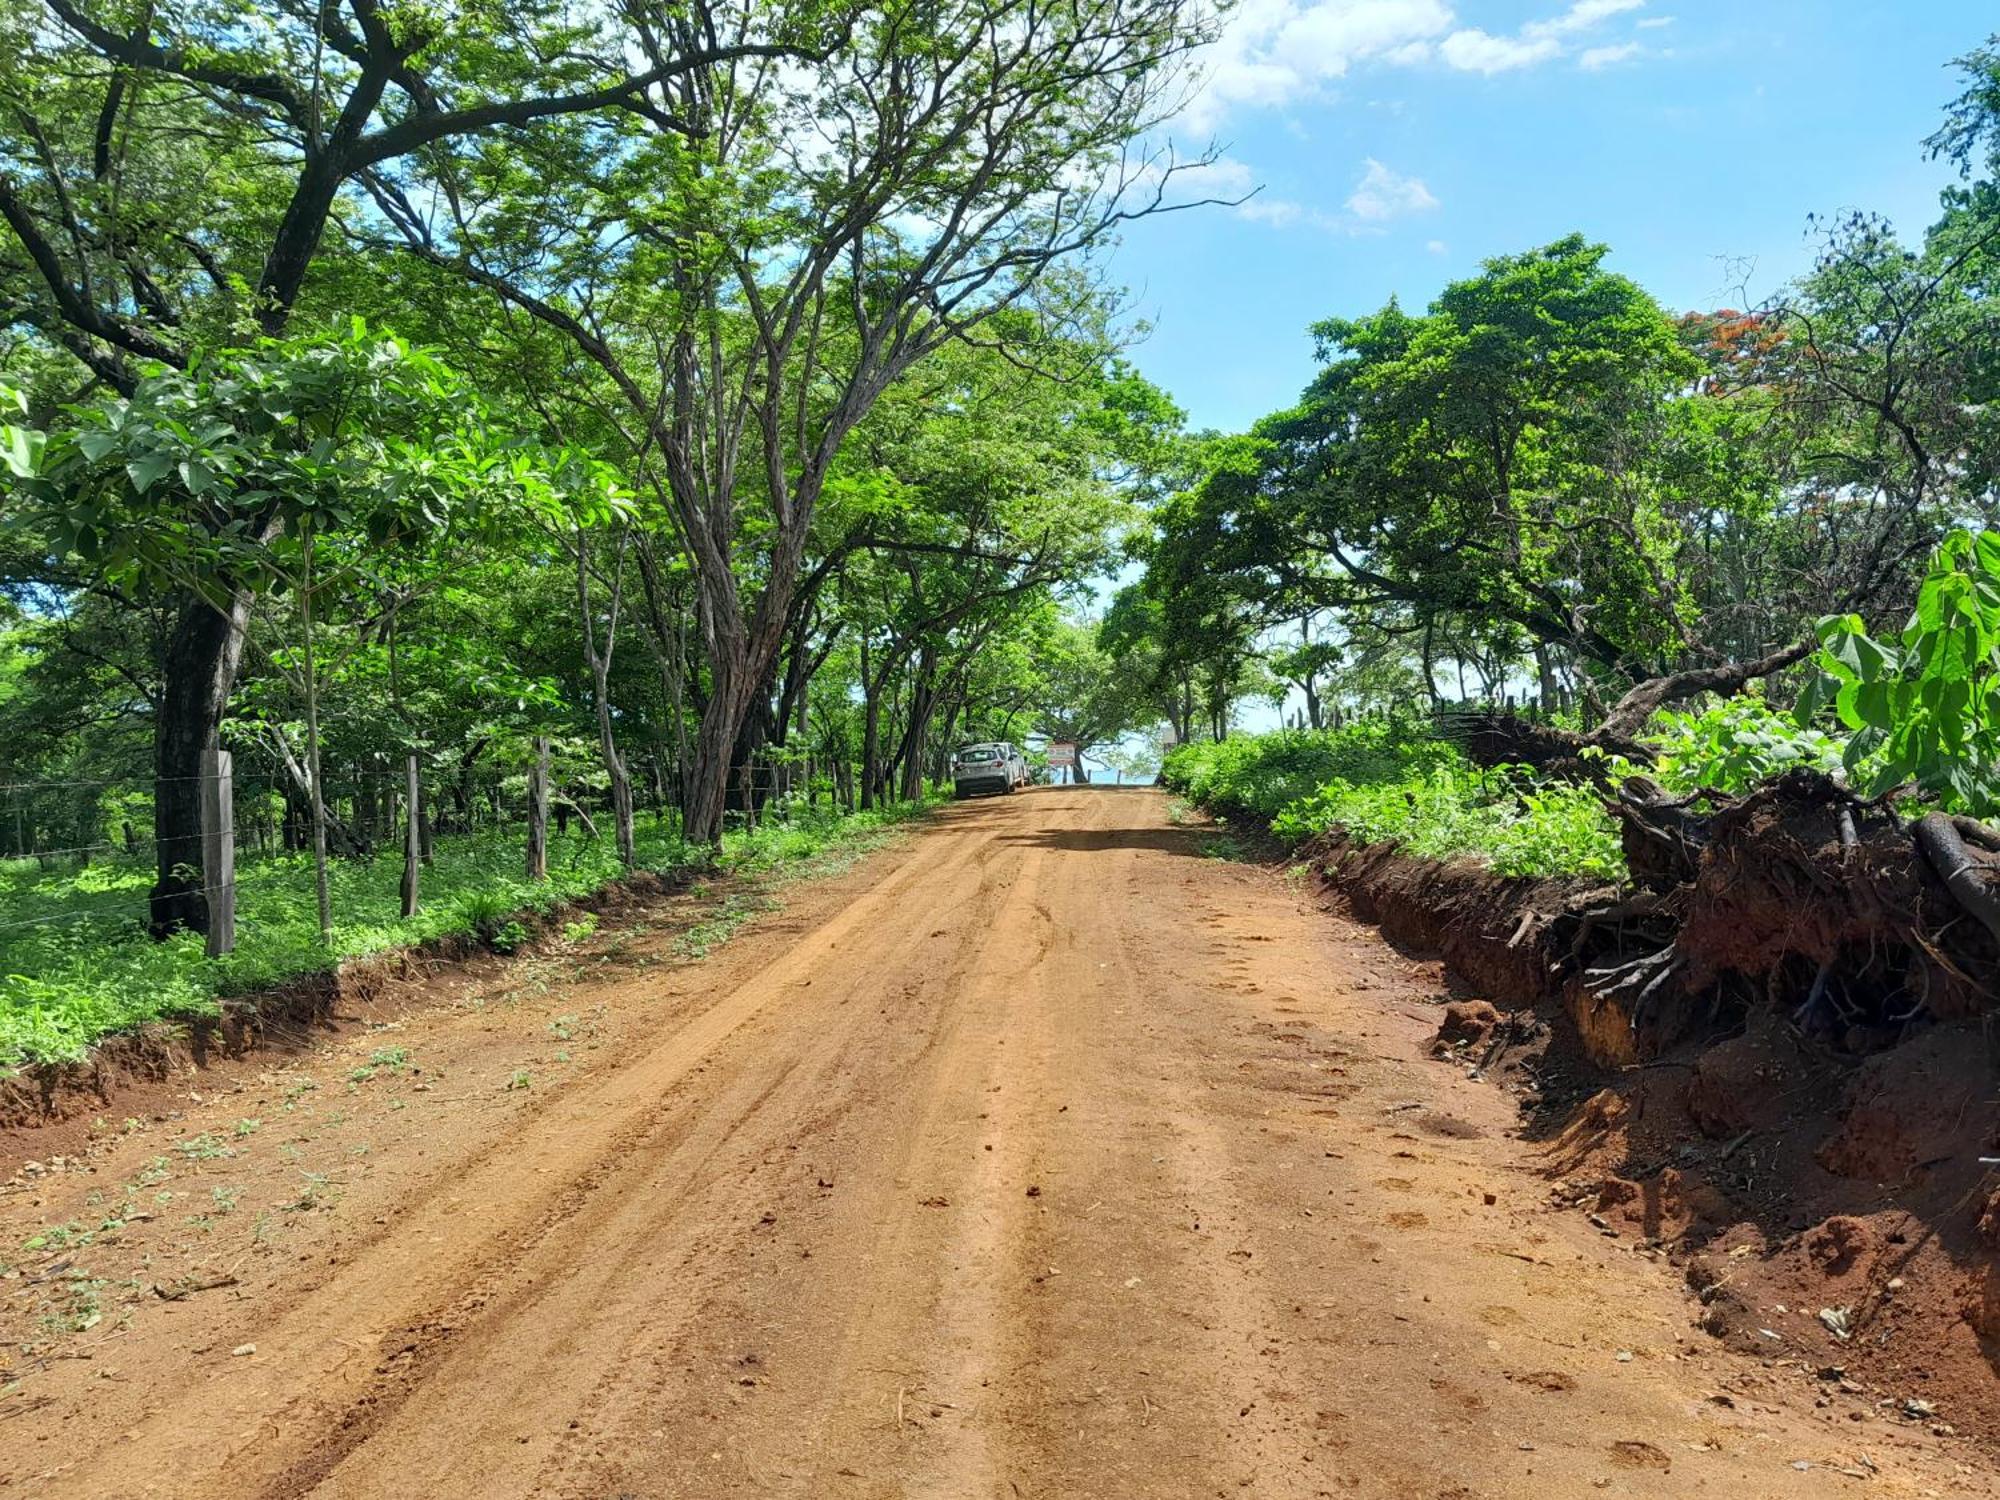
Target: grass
x,y
76,965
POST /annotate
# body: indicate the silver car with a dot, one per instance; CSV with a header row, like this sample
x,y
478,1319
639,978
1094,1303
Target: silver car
x,y
992,767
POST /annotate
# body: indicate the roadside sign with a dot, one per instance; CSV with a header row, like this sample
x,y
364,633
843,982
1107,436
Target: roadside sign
x,y
1062,753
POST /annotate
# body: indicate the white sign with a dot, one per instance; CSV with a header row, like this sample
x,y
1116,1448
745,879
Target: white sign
x,y
1062,753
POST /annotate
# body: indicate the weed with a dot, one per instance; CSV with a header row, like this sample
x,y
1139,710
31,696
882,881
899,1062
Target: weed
x,y
76,1308
520,1080
57,1237
203,1147
315,1194
1227,846
581,928
225,1198
715,930
1390,779
246,1128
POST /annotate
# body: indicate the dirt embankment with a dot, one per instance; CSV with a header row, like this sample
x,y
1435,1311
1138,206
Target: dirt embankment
x,y
121,1068
1776,1116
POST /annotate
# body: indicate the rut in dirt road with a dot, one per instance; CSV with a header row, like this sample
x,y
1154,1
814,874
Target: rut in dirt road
x,y
1040,1156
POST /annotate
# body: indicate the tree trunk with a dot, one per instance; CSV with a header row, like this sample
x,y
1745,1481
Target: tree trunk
x,y
923,703
600,676
715,744
202,657
1629,714
322,895
871,729
670,648
1545,670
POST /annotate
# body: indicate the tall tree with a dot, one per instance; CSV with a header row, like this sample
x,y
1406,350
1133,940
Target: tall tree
x,y
177,173
753,264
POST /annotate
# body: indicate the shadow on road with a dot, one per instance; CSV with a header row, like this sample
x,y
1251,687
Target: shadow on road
x,y
1092,840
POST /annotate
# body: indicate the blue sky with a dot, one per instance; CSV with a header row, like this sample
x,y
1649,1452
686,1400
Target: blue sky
x,y
1399,142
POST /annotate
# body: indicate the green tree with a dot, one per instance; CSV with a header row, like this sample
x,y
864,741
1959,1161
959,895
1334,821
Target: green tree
x,y
760,258
1082,694
280,469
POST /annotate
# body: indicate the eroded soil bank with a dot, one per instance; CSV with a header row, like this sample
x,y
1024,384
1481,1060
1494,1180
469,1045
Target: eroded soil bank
x,y
1040,1155
1824,1193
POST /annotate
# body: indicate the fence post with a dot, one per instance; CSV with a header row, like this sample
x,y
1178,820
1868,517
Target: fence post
x,y
538,812
413,839
218,847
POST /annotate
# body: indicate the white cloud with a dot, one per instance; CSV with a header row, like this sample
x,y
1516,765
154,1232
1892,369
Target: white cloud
x,y
1384,193
1594,58
1476,51
1277,212
1381,195
1437,247
1581,16
1275,52
1650,23
1224,177
1227,180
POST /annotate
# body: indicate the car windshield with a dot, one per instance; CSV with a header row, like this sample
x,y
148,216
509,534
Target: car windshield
x,y
978,753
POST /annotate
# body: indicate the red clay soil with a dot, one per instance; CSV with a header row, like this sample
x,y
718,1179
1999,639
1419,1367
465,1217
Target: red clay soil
x,y
1039,1156
1831,1210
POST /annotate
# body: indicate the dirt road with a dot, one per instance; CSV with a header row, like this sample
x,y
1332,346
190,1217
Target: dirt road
x,y
1038,1156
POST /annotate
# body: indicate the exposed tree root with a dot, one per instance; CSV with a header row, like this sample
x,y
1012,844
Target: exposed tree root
x,y
1800,896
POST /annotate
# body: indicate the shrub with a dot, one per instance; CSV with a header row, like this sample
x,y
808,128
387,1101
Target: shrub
x,y
1392,779
1735,744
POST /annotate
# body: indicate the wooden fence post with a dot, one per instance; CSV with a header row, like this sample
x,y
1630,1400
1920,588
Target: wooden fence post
x,y
538,812
218,848
413,838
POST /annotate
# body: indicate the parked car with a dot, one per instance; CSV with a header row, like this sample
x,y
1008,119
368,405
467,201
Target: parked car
x,y
996,766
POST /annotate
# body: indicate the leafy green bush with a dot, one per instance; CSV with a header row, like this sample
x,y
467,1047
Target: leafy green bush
x,y
1515,824
1735,744
1924,706
1262,774
1389,779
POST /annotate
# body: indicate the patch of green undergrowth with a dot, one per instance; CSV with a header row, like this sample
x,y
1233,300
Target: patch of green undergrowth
x,y
76,964
1393,779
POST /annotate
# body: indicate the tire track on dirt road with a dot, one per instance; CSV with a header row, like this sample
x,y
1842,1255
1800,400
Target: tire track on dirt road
x,y
356,1344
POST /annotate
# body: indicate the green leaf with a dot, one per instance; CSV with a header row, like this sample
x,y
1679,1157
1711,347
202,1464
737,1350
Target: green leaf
x,y
21,449
96,446
148,471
